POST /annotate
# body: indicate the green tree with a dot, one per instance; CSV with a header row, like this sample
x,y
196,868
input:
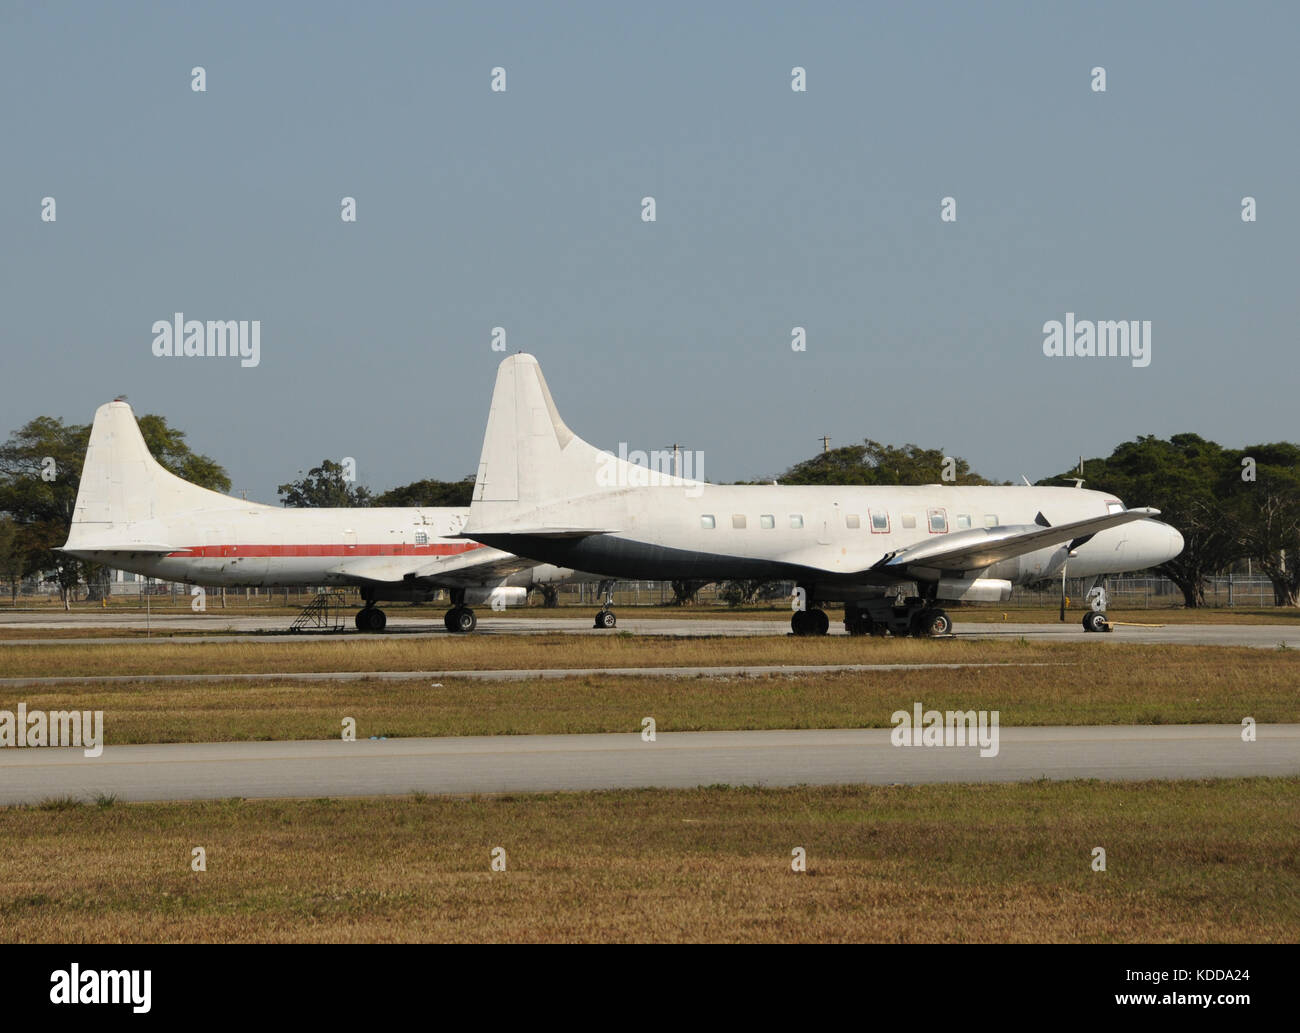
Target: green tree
x,y
445,494
876,463
11,556
324,487
40,470
1266,492
1183,478
741,593
167,444
684,592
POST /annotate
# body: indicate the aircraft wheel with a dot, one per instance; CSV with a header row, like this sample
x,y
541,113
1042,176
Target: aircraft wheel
x,y
821,622
606,619
378,620
930,622
360,620
464,620
938,623
859,623
447,618
1094,621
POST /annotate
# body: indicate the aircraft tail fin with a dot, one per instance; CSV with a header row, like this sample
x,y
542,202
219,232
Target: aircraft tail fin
x,y
530,457
125,495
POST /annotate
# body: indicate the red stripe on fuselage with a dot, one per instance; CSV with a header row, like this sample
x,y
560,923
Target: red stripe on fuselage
x,y
332,549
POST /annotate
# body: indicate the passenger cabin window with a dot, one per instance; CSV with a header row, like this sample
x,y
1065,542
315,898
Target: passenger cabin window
x,y
990,520
796,520
852,522
963,521
738,521
707,522
767,520
880,522
938,521
909,520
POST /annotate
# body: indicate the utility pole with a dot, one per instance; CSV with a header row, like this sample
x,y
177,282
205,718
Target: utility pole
x,y
677,459
826,443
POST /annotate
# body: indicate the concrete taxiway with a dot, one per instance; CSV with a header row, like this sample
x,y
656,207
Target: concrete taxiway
x,y
210,627
530,763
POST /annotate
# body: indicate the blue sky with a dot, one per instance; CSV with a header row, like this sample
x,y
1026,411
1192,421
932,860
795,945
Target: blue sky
x,y
774,209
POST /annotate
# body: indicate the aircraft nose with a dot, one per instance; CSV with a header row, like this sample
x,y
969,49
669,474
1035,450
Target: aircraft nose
x,y
1174,542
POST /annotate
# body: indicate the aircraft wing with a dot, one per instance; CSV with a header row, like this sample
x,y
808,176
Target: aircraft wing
x,y
471,567
983,546
544,531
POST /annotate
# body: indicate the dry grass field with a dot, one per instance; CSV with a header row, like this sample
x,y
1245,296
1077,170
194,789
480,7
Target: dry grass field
x,y
1029,683
532,652
1211,861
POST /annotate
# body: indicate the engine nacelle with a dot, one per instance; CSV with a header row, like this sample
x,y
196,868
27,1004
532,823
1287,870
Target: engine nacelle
x,y
497,598
975,590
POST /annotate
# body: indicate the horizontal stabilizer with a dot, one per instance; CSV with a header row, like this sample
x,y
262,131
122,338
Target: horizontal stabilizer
x,y
118,545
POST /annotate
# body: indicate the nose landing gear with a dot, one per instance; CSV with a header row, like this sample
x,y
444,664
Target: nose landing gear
x,y
605,615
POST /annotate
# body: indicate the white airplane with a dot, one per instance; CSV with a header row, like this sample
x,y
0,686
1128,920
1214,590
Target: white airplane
x,y
543,492
132,514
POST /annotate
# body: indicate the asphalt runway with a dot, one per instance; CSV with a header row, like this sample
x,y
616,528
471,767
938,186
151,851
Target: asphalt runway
x,y
216,628
539,763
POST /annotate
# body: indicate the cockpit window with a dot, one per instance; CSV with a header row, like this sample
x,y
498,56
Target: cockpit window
x,y
1113,507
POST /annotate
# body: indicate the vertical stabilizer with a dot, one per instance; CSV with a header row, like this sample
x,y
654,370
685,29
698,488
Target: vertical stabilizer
x,y
125,495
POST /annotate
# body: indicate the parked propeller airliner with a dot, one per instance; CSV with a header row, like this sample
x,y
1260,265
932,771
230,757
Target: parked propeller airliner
x,y
890,554
132,514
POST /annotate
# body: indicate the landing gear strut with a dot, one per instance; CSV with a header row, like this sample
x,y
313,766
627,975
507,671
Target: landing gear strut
x,y
605,615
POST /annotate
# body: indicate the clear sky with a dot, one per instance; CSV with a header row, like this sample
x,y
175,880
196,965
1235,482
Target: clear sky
x,y
774,209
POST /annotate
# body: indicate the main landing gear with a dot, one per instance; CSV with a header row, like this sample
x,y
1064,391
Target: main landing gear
x,y
460,619
371,618
915,616
605,615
